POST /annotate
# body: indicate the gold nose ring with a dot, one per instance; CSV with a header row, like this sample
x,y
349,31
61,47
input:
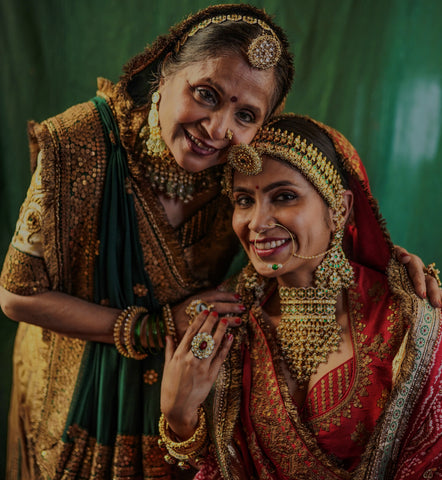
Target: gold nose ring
x,y
229,134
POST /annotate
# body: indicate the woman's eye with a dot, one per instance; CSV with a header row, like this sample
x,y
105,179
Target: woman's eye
x,y
206,95
243,201
286,197
246,116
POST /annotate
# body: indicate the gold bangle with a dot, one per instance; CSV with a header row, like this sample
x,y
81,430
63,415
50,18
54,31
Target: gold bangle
x,y
128,330
123,329
169,323
117,333
188,450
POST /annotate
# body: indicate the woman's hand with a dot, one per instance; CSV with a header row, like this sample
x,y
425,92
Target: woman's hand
x,y
187,380
425,285
225,303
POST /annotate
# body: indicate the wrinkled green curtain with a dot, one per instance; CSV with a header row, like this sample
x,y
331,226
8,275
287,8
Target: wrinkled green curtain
x,y
370,68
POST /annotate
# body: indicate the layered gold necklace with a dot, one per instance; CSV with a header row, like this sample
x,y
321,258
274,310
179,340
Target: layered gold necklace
x,y
165,175
308,330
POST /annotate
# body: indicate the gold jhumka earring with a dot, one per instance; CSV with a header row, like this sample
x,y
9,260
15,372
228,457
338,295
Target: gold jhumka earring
x,y
155,144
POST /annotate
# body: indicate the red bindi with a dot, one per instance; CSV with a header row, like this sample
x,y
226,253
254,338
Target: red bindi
x,y
234,99
257,187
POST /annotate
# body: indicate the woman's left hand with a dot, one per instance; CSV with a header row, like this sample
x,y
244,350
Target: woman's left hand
x,y
187,379
425,285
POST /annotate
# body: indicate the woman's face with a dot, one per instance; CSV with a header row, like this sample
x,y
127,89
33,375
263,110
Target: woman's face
x,y
281,195
201,101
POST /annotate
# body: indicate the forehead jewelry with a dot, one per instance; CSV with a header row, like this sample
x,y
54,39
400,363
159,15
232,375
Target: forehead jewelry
x,y
264,51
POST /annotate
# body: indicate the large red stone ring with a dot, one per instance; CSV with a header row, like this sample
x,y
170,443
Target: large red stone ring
x,y
202,345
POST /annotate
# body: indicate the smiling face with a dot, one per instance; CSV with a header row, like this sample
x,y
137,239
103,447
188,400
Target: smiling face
x,y
281,195
200,102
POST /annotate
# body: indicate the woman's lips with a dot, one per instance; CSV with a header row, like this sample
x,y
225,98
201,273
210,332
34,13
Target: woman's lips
x,y
198,146
267,247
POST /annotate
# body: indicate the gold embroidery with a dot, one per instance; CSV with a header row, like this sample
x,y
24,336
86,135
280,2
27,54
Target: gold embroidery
x,y
150,377
376,292
85,458
140,290
28,237
361,435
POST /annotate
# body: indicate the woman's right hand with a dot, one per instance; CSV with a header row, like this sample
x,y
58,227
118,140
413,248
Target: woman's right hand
x,y
225,303
187,379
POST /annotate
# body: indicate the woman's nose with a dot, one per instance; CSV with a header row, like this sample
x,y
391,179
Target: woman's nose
x,y
261,218
217,125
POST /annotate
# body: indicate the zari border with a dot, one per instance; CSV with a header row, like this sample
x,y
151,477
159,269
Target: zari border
x,y
383,450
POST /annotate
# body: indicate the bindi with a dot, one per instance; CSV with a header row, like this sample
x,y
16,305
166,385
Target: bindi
x,y
234,99
257,187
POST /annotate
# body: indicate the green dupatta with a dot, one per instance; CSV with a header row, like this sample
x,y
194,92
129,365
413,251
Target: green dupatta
x,y
113,408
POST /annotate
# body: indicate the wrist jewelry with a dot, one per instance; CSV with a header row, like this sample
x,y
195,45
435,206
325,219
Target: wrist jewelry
x,y
124,329
169,323
187,451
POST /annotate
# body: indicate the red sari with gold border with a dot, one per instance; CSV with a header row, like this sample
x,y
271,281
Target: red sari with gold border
x,y
378,416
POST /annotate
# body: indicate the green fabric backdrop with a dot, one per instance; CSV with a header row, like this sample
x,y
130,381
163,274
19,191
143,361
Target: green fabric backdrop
x,y
371,68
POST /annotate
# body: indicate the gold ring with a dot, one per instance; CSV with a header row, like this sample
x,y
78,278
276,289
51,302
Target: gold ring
x,y
202,345
197,306
433,272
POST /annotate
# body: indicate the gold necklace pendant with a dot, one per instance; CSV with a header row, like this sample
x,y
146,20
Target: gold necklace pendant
x,y
308,330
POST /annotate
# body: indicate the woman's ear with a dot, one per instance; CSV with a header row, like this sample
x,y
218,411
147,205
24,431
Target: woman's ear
x,y
347,200
347,203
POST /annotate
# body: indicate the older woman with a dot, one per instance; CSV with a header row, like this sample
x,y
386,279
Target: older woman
x,y
123,218
335,371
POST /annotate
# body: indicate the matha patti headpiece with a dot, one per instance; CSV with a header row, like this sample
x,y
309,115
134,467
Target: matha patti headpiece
x,y
264,51
247,159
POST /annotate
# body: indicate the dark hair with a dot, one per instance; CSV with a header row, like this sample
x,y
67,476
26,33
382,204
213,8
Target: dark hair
x,y
227,38
307,129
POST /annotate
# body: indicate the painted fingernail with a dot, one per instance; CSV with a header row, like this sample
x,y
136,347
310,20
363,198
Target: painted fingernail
x,y
237,320
230,337
224,321
242,308
404,254
237,296
424,295
206,312
214,313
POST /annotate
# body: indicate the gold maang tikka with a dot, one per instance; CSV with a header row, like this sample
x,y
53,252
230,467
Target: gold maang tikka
x,y
264,51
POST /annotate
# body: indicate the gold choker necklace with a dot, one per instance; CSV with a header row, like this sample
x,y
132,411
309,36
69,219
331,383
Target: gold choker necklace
x,y
308,330
165,175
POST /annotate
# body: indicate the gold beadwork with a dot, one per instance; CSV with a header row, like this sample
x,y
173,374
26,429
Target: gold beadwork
x,y
189,450
244,159
308,330
229,134
247,159
165,175
155,144
264,51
